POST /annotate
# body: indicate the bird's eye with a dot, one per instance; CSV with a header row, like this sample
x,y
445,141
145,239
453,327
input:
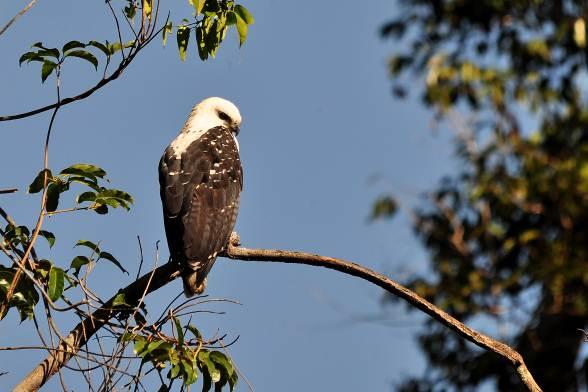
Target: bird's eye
x,y
223,116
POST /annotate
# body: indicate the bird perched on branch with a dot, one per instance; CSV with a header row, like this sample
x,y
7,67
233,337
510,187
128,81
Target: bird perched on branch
x,y
200,179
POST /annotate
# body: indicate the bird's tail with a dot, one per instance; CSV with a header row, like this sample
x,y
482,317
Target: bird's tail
x,y
192,284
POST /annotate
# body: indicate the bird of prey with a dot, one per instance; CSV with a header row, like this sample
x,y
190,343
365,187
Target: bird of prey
x,y
200,179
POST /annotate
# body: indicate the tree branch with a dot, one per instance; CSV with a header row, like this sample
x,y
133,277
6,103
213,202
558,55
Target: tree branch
x,y
82,333
15,17
162,275
79,97
125,62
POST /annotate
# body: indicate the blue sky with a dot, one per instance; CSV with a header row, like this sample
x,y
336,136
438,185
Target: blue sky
x,y
319,122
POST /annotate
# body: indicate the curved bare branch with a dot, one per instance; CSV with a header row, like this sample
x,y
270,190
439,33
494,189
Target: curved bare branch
x,y
162,275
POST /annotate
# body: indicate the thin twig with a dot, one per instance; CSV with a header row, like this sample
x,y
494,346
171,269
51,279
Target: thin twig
x,y
37,230
67,101
15,17
10,190
141,255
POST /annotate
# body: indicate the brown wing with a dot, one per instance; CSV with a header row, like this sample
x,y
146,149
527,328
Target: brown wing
x,y
200,194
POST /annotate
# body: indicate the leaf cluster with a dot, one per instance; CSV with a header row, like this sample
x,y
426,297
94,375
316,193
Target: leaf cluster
x,y
52,59
25,296
18,238
185,357
99,197
212,20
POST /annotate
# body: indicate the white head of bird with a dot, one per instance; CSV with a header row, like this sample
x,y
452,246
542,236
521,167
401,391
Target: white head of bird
x,y
209,113
213,112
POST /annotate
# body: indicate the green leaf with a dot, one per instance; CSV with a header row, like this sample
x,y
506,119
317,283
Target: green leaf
x,y
233,381
231,18
384,207
6,276
88,244
25,296
116,194
53,191
78,262
175,370
202,52
16,234
111,258
226,367
114,198
179,331
37,184
39,45
195,331
161,354
103,48
241,29
206,382
86,181
154,345
43,268
140,344
108,201
213,372
147,7
30,56
126,337
223,361
72,45
56,283
198,5
85,170
86,196
183,36
101,209
47,69
190,371
130,10
168,29
82,54
50,237
53,52
120,300
115,47
244,14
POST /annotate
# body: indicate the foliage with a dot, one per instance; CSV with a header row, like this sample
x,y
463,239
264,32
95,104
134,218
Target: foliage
x,y
506,234
28,278
185,357
16,239
212,20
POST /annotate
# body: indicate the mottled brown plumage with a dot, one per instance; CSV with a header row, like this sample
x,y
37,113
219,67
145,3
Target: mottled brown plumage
x,y
200,185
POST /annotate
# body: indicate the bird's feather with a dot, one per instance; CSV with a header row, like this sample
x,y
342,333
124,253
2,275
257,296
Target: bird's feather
x,y
200,190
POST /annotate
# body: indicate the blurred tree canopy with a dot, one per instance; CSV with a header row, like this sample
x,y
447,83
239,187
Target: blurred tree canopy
x,y
506,235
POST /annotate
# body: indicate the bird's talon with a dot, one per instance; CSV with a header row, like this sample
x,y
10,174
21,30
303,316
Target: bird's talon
x,y
234,240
